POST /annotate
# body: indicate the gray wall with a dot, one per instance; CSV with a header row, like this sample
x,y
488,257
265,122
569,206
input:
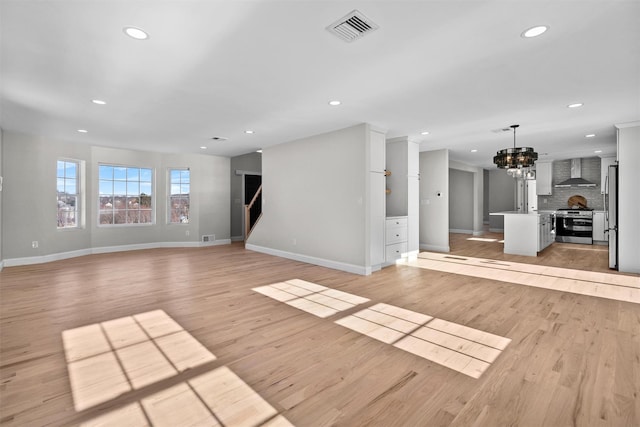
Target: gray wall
x,y
29,208
434,209
560,196
251,162
461,201
314,198
502,197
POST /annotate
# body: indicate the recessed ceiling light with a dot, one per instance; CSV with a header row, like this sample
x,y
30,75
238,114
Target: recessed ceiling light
x,y
83,130
98,101
334,103
259,151
598,151
474,151
135,33
203,148
424,133
591,135
534,31
248,131
575,105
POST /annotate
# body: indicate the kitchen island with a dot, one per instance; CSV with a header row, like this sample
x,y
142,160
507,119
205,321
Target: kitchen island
x,y
527,233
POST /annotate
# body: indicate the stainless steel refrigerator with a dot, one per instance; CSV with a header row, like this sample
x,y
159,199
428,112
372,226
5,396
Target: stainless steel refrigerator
x,y
612,215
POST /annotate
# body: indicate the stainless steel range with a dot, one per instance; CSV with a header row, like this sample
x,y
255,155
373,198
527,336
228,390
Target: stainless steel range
x,y
574,226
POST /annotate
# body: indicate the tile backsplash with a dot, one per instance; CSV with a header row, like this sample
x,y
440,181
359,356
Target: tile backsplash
x,y
560,197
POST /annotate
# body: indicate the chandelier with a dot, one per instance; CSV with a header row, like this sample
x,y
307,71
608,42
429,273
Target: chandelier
x,y
517,159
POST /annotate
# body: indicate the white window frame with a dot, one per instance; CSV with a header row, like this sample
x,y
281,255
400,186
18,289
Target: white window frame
x,y
125,203
78,211
170,195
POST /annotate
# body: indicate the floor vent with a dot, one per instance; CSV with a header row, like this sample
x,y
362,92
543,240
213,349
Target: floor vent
x,y
208,238
352,26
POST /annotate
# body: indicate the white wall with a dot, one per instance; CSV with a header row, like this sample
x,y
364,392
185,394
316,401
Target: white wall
x,y
434,209
29,208
314,200
629,198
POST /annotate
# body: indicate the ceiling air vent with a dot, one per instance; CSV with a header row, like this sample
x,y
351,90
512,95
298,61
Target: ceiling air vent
x,y
219,138
352,26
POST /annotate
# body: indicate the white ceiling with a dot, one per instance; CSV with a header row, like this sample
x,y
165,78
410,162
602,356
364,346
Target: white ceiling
x,y
458,69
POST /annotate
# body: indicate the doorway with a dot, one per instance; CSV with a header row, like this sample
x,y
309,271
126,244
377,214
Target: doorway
x,y
251,185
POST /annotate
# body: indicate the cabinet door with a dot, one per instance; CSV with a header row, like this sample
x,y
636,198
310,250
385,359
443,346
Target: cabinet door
x,y
544,174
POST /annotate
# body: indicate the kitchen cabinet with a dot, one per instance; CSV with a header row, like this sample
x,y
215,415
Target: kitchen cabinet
x,y
544,176
546,233
605,162
600,224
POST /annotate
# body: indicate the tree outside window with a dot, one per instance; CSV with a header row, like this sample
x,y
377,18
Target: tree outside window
x,y
125,195
68,189
179,192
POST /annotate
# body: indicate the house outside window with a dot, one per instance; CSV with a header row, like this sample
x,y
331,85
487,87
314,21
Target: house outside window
x,y
125,195
179,195
68,193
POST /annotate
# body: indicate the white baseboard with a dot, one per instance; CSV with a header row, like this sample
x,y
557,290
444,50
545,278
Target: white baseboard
x,y
14,262
435,248
336,265
497,230
478,233
237,238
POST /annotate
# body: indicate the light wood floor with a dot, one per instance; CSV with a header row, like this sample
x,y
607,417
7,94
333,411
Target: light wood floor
x,y
573,360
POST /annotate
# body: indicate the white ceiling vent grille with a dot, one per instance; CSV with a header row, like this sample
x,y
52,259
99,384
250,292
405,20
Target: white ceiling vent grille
x,y
352,26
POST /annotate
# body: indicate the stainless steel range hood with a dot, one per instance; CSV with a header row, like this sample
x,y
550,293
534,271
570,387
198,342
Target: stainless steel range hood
x,y
576,179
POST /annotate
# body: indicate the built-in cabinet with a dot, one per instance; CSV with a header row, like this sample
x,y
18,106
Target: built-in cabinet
x,y
544,177
600,224
402,197
376,198
395,238
605,162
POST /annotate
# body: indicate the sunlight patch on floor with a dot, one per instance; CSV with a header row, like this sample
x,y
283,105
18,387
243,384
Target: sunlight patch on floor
x,y
109,359
454,346
466,350
603,285
482,239
310,297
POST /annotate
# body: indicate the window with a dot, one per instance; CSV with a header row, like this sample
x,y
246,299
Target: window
x,y
179,189
68,189
125,195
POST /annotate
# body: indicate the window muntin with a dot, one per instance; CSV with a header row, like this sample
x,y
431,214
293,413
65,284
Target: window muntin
x,y
179,195
68,190
125,195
